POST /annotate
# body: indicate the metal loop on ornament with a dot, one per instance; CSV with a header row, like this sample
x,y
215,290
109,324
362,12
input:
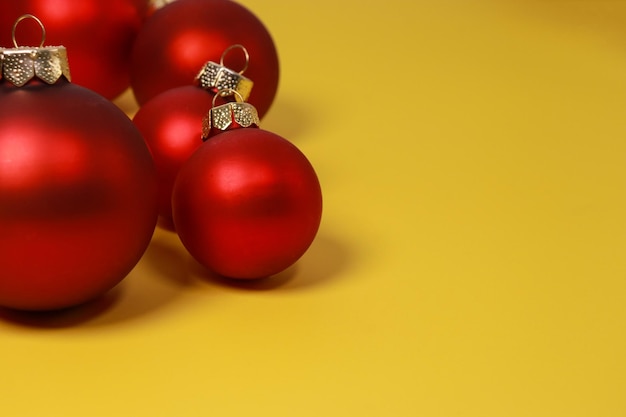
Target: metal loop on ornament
x,y
225,92
28,16
245,53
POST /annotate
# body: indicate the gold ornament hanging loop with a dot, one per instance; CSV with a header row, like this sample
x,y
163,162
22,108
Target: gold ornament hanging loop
x,y
245,54
225,92
24,17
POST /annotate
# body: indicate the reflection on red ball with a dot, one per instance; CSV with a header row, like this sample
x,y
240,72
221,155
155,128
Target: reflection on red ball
x,y
78,195
247,204
178,39
171,124
98,36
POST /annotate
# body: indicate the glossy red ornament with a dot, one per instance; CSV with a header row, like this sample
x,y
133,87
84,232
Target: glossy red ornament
x,y
98,35
77,195
171,124
177,39
247,204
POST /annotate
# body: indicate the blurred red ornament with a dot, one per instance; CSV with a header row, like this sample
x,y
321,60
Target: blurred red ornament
x,y
77,186
177,39
98,35
247,204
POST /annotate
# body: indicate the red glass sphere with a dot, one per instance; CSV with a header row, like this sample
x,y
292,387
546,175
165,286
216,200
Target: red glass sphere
x,y
78,195
247,204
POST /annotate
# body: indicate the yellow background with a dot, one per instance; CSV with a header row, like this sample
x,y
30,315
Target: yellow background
x,y
472,256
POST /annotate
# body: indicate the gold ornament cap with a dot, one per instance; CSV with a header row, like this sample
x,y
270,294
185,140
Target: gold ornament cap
x,y
230,115
157,4
22,63
217,77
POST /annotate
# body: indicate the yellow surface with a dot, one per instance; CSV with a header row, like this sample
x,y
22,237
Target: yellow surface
x,y
472,257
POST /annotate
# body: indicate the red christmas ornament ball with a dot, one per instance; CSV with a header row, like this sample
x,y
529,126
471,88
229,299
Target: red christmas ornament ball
x,y
171,124
179,38
78,195
98,35
247,204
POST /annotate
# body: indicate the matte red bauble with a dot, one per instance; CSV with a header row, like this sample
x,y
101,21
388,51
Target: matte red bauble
x,y
171,124
98,35
177,39
77,189
247,204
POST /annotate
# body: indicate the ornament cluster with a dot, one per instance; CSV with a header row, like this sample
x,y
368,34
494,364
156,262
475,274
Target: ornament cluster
x,y
82,186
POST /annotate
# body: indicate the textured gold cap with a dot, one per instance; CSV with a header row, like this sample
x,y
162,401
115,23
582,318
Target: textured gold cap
x,y
215,77
21,64
222,117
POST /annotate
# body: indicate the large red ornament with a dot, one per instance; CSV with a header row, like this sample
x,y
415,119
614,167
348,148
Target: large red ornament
x,y
247,204
77,189
98,35
177,39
